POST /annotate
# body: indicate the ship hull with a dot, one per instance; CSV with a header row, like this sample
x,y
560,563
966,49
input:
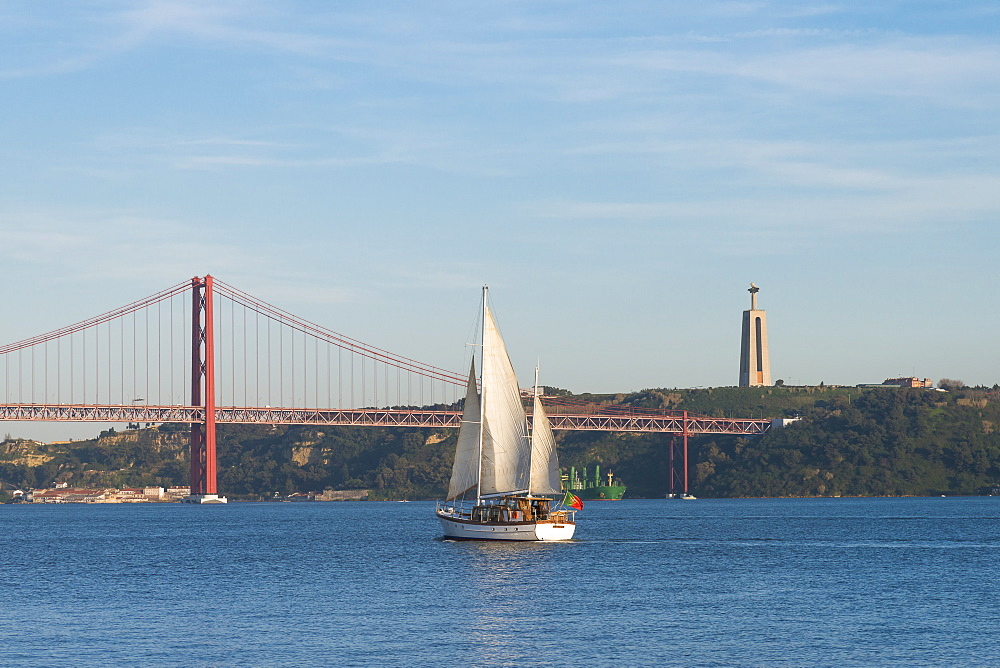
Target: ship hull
x,y
601,493
463,529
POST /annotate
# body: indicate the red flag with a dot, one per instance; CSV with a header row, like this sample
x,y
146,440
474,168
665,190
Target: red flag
x,y
573,501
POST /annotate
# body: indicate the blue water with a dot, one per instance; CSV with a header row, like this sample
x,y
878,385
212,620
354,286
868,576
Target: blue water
x,y
776,582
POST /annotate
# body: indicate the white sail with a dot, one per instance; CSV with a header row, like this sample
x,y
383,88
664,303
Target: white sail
x,y
506,446
544,461
465,470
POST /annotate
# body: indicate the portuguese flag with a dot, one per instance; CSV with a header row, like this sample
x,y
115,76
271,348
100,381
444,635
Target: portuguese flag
x,y
573,501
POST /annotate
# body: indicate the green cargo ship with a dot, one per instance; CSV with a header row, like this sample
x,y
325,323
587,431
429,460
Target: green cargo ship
x,y
593,487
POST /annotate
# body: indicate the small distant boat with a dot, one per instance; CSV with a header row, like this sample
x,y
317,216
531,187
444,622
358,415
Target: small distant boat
x,y
504,472
685,497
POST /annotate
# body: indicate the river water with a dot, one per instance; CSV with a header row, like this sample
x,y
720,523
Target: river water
x,y
776,582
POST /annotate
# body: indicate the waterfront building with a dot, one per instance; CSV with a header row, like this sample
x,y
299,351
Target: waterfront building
x,y
69,495
910,381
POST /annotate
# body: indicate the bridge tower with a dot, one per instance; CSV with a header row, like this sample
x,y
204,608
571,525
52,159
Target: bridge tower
x,y
203,460
677,463
755,360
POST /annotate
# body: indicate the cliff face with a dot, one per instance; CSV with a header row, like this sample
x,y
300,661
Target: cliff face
x,y
24,452
130,458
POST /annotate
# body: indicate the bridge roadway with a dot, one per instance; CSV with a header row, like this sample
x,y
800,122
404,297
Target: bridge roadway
x,y
672,422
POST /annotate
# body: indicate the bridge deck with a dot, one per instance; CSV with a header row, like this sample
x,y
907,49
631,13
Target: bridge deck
x,y
675,422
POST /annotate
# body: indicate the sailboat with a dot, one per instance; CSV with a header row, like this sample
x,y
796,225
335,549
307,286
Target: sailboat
x,y
504,472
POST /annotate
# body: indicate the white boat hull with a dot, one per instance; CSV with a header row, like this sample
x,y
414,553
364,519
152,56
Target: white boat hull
x,y
469,530
204,498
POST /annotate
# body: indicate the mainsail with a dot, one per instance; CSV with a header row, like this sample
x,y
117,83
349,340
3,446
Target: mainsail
x,y
544,461
465,471
506,452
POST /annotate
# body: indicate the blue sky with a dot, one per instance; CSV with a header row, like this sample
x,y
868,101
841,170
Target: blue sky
x,y
617,172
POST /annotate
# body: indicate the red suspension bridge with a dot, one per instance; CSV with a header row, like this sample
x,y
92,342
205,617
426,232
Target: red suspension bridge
x,y
204,352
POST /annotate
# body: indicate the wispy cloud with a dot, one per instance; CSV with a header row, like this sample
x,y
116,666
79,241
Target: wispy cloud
x,y
90,246
897,205
579,67
222,23
908,67
69,242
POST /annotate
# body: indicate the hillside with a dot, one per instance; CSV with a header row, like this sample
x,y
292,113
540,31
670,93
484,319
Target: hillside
x,y
850,441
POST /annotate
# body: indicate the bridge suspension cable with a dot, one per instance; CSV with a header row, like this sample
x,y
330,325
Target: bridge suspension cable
x,y
264,355
113,358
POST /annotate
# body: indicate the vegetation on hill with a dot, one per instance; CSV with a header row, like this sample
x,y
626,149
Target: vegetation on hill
x,y
849,441
886,442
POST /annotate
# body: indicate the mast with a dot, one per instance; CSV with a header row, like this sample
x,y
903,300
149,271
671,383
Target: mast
x,y
482,395
531,450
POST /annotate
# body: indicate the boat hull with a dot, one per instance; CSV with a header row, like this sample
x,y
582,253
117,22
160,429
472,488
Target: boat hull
x,y
601,493
204,498
460,529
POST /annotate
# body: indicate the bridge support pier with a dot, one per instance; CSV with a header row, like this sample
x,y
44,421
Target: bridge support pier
x,y
677,463
203,459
